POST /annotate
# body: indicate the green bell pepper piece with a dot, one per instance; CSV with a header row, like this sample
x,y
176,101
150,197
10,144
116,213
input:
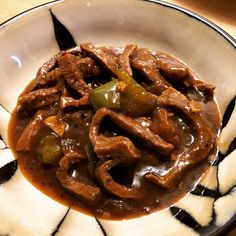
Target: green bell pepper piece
x,y
106,95
134,99
49,149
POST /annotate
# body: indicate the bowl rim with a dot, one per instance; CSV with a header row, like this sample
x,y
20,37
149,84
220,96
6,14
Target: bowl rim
x,y
184,10
231,224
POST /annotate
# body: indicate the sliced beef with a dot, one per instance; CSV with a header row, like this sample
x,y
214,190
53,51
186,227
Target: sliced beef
x,y
125,58
164,125
132,127
81,188
178,72
106,147
164,178
66,102
204,137
76,137
125,160
88,67
207,89
52,63
61,86
72,74
171,67
119,146
105,179
203,145
145,63
50,77
145,122
115,51
38,98
50,71
107,60
31,131
73,70
44,76
66,99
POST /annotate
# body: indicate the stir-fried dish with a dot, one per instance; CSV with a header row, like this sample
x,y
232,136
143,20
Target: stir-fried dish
x,y
115,132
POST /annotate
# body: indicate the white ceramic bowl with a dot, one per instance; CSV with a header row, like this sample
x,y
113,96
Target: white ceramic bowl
x,y
28,40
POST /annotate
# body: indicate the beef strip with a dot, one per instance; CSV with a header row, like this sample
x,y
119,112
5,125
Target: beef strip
x,y
171,67
125,58
50,77
85,68
43,76
76,137
101,143
207,89
29,134
52,63
204,137
115,51
145,122
177,72
38,98
72,74
145,63
88,67
106,147
66,102
164,125
119,146
108,183
50,72
203,145
82,189
107,60
61,86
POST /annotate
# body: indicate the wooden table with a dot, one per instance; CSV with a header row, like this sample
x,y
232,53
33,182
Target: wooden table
x,y
222,13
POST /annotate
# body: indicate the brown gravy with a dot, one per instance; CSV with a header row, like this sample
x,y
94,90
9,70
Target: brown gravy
x,y
77,135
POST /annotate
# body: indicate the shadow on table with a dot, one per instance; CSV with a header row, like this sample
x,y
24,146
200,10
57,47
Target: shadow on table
x,y
225,10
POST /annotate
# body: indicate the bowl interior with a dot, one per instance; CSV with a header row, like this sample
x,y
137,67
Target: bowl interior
x,y
27,41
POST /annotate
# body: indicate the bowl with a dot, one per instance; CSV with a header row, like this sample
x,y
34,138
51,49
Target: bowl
x,y
31,38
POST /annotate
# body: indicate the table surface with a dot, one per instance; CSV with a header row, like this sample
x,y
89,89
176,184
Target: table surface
x,y
222,13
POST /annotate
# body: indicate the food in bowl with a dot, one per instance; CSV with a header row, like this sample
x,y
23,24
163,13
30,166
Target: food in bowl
x,y
115,132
